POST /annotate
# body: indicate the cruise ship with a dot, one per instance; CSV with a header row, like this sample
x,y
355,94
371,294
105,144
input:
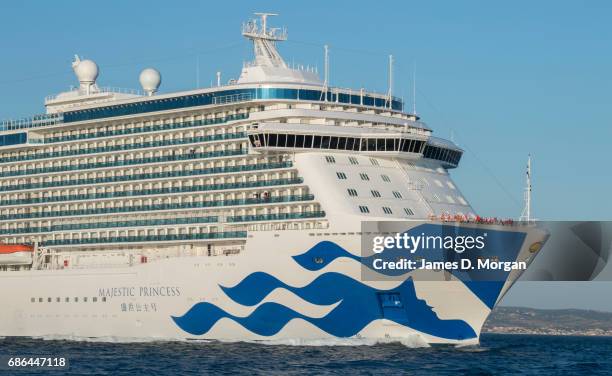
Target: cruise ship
x,y
233,212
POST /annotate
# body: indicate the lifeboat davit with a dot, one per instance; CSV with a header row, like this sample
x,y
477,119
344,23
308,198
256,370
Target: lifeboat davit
x,y
16,254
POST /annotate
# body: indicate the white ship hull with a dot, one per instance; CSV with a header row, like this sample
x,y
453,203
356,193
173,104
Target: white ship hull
x,y
176,298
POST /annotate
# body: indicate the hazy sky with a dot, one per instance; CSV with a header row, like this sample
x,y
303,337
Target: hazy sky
x,y
505,79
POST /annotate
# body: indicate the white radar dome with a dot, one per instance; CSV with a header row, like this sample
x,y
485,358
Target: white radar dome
x,y
150,79
85,70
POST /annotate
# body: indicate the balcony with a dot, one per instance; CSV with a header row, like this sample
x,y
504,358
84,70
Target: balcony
x,y
159,207
156,191
132,146
146,238
125,162
148,176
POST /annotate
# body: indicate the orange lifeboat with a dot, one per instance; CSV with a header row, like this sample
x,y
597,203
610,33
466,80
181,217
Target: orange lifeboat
x,y
16,254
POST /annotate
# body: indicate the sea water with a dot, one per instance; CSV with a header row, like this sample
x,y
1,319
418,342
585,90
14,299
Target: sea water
x,y
497,354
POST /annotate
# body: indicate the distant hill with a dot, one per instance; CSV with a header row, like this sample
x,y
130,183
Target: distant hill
x,y
544,321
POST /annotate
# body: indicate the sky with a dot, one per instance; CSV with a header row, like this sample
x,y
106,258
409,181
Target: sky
x,y
504,80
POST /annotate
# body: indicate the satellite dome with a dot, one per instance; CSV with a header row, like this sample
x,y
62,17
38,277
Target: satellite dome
x,y
150,79
85,70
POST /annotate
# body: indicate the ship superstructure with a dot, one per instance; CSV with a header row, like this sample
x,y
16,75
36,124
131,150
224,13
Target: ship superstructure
x,y
157,191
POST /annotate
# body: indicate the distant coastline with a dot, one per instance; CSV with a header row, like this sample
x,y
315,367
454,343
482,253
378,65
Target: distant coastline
x,y
568,322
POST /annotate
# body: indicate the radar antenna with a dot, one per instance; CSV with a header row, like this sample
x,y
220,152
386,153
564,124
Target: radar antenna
x,y
264,40
526,215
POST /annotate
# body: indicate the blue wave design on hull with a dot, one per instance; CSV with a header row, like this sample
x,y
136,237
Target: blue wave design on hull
x,y
325,252
485,284
358,305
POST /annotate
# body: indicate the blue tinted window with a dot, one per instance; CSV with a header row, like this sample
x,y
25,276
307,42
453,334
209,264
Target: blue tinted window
x,y
220,97
13,139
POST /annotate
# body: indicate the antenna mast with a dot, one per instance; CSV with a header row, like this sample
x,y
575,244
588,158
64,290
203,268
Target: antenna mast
x,y
390,94
526,216
326,80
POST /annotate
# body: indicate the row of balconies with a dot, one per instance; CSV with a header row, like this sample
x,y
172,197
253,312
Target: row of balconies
x,y
131,144
173,203
174,171
128,159
147,185
101,194
274,214
144,127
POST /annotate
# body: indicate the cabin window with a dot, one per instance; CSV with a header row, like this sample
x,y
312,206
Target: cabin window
x,y
352,192
375,193
387,210
364,209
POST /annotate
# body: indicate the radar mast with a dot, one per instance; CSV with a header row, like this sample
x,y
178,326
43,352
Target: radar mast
x,y
526,215
264,40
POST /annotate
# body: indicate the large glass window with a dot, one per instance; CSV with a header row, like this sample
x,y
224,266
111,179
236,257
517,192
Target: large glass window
x,y
13,139
290,140
333,143
272,140
308,140
371,144
221,97
325,141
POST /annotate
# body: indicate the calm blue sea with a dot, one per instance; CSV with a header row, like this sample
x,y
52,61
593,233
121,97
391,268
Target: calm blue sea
x,y
497,354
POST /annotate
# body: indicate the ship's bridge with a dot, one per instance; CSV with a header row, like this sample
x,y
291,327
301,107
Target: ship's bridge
x,y
395,143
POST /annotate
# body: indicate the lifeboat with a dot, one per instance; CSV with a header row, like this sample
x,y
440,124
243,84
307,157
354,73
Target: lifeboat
x,y
16,254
